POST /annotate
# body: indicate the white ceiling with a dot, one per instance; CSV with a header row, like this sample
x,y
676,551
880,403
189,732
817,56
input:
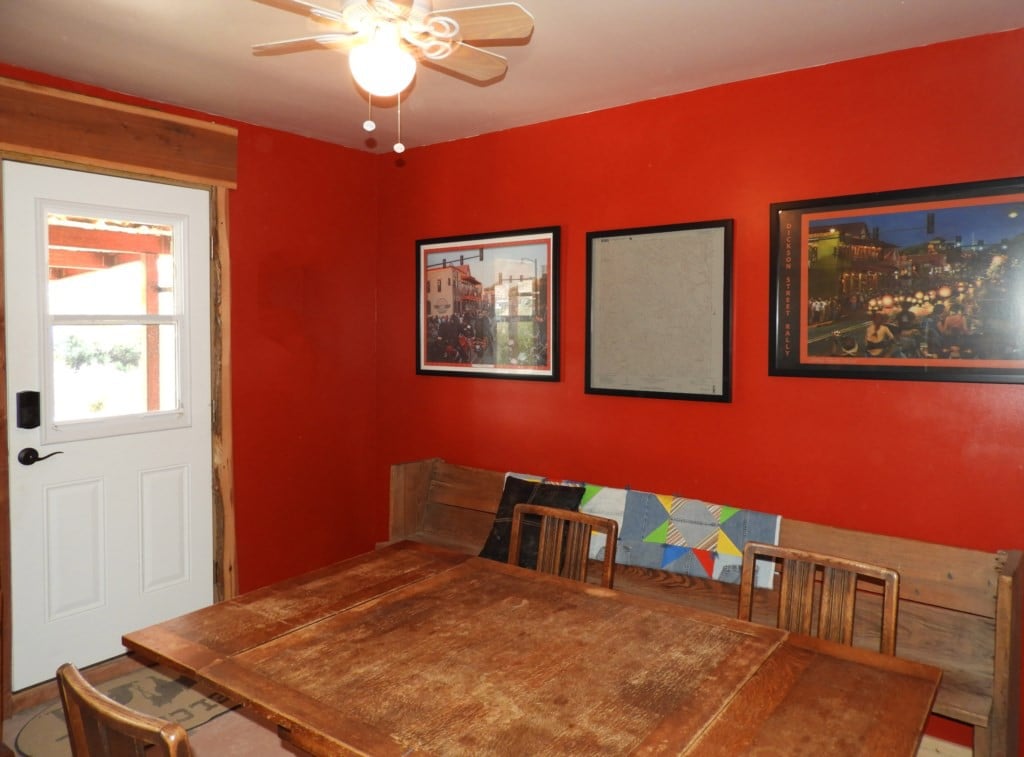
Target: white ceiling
x,y
584,55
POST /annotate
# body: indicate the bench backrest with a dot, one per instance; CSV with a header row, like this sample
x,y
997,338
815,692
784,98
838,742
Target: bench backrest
x,y
452,505
459,502
960,579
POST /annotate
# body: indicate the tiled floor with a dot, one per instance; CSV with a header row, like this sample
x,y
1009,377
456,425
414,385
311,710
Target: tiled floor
x,y
234,734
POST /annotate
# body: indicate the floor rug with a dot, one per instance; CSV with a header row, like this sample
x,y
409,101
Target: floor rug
x,y
146,690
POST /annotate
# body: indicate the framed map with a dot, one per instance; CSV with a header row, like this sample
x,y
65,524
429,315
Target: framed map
x,y
658,311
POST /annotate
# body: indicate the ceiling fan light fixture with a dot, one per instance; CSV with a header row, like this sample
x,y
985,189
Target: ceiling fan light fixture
x,y
380,66
385,38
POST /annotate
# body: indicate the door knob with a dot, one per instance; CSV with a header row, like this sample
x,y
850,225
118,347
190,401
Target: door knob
x,y
31,456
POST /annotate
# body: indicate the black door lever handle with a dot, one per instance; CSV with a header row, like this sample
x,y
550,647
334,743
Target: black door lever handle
x,y
31,456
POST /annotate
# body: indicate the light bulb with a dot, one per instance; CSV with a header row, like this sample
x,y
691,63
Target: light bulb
x,y
381,66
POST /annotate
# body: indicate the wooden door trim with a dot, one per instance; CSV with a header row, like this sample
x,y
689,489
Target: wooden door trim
x,y
60,125
224,544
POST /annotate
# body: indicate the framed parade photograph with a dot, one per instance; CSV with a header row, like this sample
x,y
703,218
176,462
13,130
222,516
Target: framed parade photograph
x,y
488,305
922,284
659,312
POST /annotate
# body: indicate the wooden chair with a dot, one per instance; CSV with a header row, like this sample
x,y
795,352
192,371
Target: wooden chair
x,y
99,726
564,546
820,590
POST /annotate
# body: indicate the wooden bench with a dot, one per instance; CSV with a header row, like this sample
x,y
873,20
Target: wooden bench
x,y
960,609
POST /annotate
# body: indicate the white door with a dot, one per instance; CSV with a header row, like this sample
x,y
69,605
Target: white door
x,y
108,319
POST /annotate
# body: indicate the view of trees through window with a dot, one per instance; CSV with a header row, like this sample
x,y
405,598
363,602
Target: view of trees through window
x,y
110,301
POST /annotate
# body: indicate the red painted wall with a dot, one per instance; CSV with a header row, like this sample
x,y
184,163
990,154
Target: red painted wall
x,y
323,307
303,288
935,461
317,425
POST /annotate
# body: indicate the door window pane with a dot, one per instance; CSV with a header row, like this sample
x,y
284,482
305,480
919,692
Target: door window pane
x,y
111,370
100,266
113,317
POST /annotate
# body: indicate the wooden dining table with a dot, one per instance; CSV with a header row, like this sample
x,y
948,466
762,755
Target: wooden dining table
x,y
413,649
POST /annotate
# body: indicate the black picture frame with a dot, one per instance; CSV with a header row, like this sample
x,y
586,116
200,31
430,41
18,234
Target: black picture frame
x,y
488,305
659,311
921,284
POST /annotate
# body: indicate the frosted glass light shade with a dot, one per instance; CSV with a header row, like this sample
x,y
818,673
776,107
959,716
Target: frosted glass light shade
x,y
381,66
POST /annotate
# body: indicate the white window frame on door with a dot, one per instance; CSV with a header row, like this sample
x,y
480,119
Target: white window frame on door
x,y
180,416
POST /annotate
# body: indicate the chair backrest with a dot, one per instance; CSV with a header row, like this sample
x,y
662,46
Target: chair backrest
x,y
564,545
97,725
819,591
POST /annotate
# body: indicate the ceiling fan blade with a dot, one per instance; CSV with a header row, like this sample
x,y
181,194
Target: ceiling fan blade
x,y
483,22
468,62
309,10
302,44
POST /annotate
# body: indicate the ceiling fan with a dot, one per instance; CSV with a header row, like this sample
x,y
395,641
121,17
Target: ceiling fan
x,y
411,28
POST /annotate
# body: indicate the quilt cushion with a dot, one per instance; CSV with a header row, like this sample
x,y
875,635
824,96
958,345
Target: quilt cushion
x,y
520,490
679,534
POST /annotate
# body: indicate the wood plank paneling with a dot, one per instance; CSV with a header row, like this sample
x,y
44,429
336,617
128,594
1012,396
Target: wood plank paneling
x,y
963,579
65,126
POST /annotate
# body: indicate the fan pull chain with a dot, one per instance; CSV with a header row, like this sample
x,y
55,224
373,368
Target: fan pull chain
x,y
368,124
399,147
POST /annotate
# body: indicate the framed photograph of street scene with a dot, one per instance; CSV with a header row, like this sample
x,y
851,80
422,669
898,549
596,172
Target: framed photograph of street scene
x,y
921,284
488,305
659,313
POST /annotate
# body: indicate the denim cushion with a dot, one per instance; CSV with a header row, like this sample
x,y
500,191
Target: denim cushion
x,y
519,491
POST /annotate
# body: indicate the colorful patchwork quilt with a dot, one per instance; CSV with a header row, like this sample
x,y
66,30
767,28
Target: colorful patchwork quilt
x,y
679,534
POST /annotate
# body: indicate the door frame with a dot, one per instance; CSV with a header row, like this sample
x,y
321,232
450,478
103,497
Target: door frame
x,y
158,147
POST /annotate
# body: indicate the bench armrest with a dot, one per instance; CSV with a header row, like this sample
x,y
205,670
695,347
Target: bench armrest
x,y
1005,724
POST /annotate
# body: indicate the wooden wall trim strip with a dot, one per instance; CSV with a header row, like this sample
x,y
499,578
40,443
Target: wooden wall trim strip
x,y
61,125
225,551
